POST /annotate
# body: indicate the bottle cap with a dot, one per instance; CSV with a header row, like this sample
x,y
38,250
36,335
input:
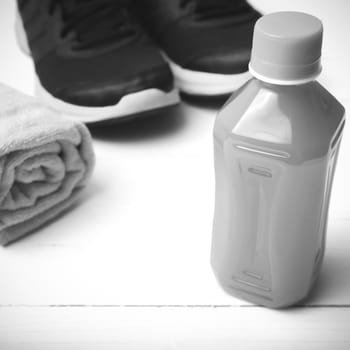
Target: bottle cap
x,y
287,48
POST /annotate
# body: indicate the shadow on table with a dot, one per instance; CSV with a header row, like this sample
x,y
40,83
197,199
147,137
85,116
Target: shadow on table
x,y
141,127
329,286
211,102
333,285
153,124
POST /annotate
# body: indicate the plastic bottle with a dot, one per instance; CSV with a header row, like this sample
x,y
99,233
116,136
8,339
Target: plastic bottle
x,y
276,143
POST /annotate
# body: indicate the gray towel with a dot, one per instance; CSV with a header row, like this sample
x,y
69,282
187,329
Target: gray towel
x,y
45,160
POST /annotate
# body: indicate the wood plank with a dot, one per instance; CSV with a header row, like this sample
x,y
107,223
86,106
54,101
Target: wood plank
x,y
167,271
173,328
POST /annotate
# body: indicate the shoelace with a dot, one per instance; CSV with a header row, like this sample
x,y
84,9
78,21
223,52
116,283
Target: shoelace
x,y
214,9
95,23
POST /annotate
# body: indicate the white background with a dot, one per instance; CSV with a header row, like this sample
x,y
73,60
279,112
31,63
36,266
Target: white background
x,y
128,268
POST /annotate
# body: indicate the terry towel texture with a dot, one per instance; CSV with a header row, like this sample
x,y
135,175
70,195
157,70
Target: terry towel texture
x,y
45,160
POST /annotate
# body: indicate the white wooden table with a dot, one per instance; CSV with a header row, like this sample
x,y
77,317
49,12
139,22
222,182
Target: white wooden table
x,y
129,267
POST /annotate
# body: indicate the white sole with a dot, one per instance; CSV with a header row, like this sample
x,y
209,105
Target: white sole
x,y
131,104
206,84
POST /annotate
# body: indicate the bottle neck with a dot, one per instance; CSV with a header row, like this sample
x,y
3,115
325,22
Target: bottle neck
x,y
283,82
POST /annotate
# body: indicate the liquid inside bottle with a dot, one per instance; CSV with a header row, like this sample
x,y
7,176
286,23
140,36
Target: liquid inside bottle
x,y
275,149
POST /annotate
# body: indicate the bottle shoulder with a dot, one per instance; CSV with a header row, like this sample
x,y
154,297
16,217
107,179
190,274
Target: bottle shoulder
x,y
303,117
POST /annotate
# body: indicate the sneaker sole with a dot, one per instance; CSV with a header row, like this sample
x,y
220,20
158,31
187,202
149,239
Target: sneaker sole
x,y
131,104
206,84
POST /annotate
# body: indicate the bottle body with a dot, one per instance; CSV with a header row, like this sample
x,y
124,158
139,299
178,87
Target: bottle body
x,y
275,152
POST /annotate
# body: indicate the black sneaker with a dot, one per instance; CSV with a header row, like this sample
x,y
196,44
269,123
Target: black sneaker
x,y
207,42
92,59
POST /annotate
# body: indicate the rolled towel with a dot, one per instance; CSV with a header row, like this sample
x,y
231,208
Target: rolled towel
x,y
45,160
